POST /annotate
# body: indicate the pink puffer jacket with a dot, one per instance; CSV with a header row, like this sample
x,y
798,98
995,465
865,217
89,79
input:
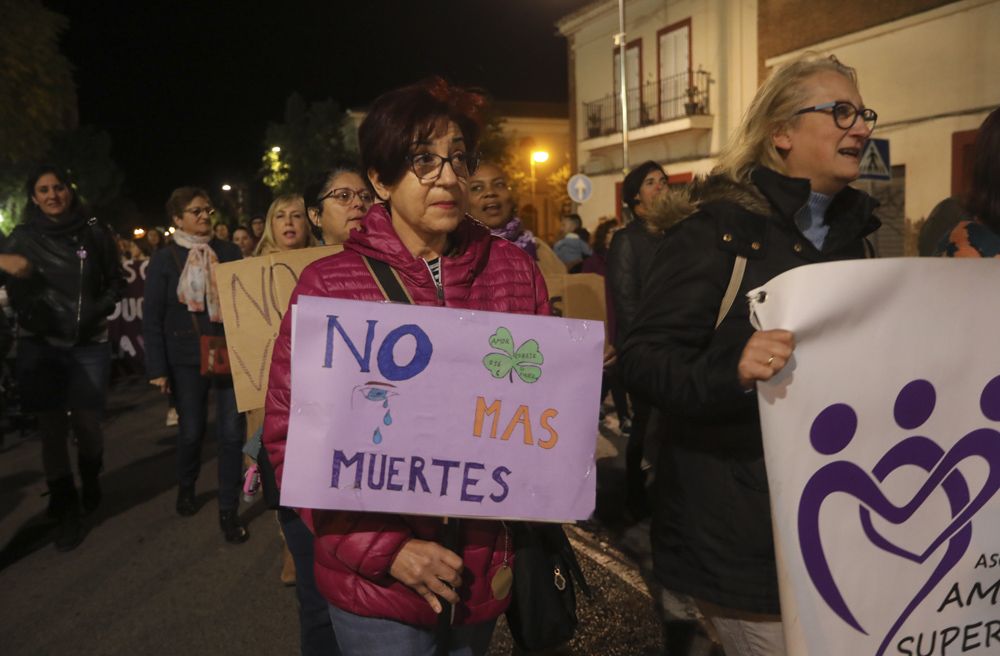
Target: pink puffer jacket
x,y
354,551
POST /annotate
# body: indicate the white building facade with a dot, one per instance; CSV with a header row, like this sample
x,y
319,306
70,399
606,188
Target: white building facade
x,y
933,77
691,69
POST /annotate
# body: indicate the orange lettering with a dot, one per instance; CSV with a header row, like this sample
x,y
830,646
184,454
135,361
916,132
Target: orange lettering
x,y
481,412
520,417
551,413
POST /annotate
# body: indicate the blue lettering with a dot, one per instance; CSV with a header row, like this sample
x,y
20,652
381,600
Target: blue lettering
x,y
363,362
468,482
340,460
417,473
393,470
386,363
372,484
498,475
447,465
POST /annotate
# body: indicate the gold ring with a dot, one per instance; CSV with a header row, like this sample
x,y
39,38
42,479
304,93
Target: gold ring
x,y
770,360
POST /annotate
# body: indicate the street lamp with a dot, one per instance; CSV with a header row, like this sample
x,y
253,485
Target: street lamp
x,y
226,187
275,149
537,157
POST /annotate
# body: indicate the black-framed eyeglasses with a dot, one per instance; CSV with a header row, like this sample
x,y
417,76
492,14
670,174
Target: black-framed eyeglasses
x,y
845,114
480,188
198,211
345,196
428,166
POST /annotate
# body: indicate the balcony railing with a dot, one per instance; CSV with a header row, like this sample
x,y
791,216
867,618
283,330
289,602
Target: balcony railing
x,y
655,102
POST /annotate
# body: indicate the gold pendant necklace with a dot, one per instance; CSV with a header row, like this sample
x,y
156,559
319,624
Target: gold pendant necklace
x,y
503,580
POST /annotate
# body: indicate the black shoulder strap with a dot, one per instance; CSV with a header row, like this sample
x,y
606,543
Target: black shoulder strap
x,y
388,281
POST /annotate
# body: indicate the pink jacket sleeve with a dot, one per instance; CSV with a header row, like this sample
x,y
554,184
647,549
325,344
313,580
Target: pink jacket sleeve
x,y
365,542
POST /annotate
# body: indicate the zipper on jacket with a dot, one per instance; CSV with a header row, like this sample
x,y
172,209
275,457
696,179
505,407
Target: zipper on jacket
x,y
438,287
81,254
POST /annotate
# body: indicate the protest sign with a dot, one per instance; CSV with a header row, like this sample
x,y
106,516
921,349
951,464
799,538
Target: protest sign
x,y
882,443
577,295
125,322
438,411
254,296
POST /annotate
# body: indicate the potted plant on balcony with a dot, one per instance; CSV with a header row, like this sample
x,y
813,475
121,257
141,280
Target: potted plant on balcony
x,y
593,125
645,116
692,106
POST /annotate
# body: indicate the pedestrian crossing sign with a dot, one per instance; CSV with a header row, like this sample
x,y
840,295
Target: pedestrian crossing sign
x,y
875,160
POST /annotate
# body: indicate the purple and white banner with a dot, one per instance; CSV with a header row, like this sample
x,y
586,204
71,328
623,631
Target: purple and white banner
x,y
436,411
882,440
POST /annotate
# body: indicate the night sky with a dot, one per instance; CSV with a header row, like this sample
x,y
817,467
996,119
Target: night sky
x,y
186,88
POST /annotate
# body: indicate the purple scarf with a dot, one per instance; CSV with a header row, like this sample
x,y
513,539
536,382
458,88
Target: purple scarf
x,y
516,233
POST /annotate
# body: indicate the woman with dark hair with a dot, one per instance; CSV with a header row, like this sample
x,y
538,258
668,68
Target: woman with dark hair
x,y
243,238
67,283
383,573
492,203
980,236
181,304
336,201
154,240
778,198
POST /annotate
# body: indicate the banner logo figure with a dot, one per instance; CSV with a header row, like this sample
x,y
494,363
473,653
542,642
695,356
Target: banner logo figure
x,y
834,428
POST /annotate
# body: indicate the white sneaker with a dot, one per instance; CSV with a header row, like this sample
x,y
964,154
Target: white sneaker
x,y
172,417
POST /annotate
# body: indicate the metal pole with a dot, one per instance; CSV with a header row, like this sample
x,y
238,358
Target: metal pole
x,y
534,201
620,39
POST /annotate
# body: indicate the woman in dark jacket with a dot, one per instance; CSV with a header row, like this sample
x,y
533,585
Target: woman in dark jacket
x,y
778,198
180,305
63,289
383,574
979,236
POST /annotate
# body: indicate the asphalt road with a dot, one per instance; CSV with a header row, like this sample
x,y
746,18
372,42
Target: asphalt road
x,y
146,581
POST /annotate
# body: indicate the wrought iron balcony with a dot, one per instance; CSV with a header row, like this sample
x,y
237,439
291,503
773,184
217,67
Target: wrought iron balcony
x,y
655,102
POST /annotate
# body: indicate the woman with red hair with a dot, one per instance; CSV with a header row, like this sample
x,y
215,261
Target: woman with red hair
x,y
383,574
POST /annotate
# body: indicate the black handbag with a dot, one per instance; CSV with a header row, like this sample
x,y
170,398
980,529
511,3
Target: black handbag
x,y
542,612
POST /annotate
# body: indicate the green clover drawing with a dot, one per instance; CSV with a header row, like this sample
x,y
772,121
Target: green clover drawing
x,y
524,361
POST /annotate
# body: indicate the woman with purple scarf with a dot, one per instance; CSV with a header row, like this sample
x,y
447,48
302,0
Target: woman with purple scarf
x,y
492,204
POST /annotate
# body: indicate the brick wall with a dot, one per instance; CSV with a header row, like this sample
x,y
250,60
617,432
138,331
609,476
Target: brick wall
x,y
786,25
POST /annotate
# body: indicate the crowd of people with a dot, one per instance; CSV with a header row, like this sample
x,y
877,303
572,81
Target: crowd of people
x,y
681,362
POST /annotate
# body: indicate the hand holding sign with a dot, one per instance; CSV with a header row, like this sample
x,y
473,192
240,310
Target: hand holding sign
x,y
430,569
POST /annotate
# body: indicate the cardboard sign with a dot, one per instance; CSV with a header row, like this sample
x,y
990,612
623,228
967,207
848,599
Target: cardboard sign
x,y
578,296
548,262
446,412
254,294
882,442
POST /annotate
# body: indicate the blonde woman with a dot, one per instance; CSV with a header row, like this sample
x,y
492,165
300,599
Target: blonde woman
x,y
779,198
286,226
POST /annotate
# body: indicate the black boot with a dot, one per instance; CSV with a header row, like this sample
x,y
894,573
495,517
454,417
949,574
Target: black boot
x,y
90,486
186,503
232,528
69,531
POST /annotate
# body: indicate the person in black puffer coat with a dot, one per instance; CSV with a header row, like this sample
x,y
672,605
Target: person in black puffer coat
x,y
629,258
779,198
63,278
